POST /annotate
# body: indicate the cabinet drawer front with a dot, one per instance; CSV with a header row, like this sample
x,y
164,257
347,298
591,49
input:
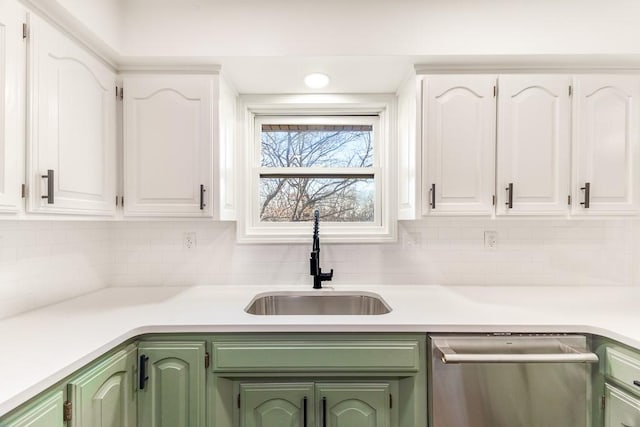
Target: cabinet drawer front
x,y
623,368
387,356
622,409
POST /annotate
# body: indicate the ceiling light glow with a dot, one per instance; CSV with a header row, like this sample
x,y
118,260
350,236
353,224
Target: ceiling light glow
x,y
316,80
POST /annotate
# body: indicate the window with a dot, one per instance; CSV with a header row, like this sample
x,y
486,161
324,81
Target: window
x,y
332,160
329,165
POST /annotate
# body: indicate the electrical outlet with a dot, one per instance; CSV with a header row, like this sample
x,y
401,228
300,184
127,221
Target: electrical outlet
x,y
189,240
411,240
490,239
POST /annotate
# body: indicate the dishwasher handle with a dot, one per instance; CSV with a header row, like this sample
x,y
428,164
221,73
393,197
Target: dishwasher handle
x,y
449,355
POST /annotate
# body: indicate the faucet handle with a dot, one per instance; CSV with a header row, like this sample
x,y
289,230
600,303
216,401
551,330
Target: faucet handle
x,y
325,277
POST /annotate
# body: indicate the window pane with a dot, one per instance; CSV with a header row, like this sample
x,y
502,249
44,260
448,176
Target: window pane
x,y
338,199
336,146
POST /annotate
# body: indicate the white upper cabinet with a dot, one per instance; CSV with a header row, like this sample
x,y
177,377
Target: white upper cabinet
x,y
12,92
71,126
168,144
606,144
459,144
534,145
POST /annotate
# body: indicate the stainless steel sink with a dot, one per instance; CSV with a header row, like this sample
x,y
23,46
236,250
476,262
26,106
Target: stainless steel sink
x,y
318,303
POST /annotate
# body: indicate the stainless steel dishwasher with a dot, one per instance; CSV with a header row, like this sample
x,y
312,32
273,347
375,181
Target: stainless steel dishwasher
x,y
510,381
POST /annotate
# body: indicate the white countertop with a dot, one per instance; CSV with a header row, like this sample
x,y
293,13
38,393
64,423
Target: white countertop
x,y
44,346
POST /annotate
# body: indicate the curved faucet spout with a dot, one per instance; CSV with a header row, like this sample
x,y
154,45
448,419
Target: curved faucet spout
x,y
314,261
316,226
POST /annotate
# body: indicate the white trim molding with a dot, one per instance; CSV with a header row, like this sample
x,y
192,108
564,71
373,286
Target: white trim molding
x,y
305,107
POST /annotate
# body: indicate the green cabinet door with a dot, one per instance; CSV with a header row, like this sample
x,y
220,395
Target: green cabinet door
x,y
105,395
46,411
174,394
354,405
276,405
622,409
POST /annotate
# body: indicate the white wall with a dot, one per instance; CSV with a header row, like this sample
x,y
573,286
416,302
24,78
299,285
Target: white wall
x,y
96,22
103,17
437,251
358,27
379,27
636,253
42,262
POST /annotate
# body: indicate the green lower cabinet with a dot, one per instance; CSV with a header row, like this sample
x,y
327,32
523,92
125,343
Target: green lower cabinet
x,y
174,393
622,409
614,381
46,411
105,395
354,405
257,380
315,404
276,405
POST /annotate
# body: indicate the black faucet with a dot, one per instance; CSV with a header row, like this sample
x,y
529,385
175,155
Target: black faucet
x,y
316,271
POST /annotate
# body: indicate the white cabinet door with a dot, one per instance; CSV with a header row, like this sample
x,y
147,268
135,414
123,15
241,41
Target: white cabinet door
x,y
459,144
12,93
607,144
534,145
71,125
168,145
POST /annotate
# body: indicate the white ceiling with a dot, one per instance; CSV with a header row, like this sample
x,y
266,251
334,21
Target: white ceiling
x,y
351,74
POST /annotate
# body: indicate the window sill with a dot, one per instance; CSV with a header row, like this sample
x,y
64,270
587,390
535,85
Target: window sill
x,y
329,233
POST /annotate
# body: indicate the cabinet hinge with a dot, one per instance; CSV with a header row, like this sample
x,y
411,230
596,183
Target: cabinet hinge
x,y
570,90
493,200
67,410
238,400
603,402
390,401
569,199
495,91
207,360
23,191
25,30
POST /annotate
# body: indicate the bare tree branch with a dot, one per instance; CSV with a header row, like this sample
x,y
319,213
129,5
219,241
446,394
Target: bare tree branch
x,y
293,199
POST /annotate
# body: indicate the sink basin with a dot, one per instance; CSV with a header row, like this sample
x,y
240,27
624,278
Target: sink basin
x,y
322,303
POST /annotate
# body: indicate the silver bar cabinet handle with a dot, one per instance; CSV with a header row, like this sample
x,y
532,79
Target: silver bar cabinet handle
x,y
450,356
202,203
50,184
509,202
432,193
587,194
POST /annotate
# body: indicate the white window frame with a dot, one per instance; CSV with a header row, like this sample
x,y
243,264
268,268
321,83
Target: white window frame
x,y
376,110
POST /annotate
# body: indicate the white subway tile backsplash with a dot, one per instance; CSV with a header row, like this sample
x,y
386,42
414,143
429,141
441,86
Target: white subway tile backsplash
x,y
42,262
